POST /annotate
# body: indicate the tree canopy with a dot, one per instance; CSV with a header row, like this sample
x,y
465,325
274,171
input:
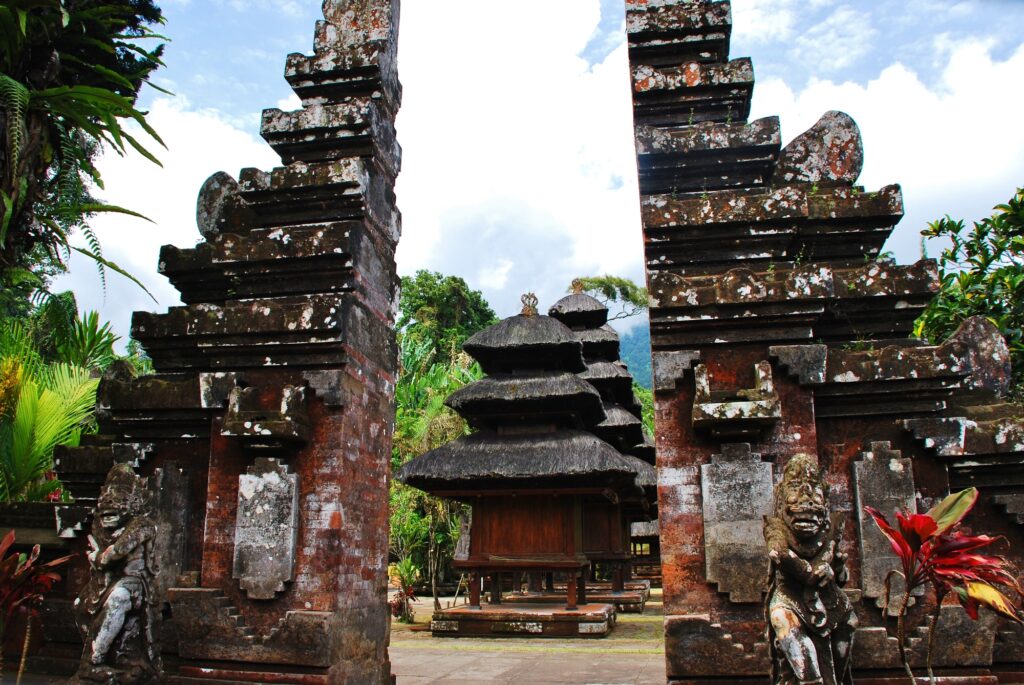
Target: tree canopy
x,y
70,72
982,274
615,291
441,311
437,314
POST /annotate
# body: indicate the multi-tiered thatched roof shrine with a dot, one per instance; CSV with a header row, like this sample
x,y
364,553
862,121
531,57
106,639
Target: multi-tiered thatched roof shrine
x,y
530,472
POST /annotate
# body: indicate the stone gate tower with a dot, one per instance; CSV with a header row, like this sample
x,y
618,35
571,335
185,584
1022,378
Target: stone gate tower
x,y
777,330
271,412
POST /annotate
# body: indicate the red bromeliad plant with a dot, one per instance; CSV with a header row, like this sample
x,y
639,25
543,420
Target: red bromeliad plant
x,y
23,583
933,551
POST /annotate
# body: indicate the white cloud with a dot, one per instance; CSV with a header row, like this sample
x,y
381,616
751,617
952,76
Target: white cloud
x,y
763,21
495,274
956,148
504,125
290,103
199,144
837,42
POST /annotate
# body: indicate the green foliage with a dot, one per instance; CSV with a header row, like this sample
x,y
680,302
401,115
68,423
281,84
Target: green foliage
x,y
982,274
140,362
613,290
405,573
70,71
88,344
425,529
47,391
438,314
50,409
646,398
441,312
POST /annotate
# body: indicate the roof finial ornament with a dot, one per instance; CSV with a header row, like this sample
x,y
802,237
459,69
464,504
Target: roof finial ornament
x,y
577,286
530,302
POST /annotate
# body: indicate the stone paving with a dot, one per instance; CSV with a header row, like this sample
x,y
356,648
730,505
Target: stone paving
x,y
633,654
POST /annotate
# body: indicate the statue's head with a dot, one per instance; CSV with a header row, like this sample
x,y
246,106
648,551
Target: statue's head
x,y
801,499
122,497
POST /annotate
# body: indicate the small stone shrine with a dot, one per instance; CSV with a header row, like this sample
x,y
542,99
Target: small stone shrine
x,y
269,418
532,472
776,330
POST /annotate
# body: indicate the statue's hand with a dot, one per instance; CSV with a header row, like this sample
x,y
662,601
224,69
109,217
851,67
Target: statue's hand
x,y
823,574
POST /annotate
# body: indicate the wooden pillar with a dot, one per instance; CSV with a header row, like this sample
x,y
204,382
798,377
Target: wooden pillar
x,y
619,576
570,594
581,590
474,590
495,587
549,582
534,582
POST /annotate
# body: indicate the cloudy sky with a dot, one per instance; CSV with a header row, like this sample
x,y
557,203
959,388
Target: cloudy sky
x,y
516,124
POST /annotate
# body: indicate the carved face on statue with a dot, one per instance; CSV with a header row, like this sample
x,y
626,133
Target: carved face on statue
x,y
120,499
803,498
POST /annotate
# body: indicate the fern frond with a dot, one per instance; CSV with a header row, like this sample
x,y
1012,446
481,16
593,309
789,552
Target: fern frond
x,y
97,250
14,98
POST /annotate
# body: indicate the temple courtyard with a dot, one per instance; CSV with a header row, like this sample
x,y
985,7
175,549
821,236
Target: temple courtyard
x,y
633,653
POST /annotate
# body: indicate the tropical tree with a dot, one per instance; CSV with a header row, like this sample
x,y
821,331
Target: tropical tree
x,y
425,529
982,273
933,551
615,291
441,311
47,394
70,72
437,314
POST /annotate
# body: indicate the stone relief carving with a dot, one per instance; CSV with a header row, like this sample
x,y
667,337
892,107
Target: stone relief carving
x,y
266,527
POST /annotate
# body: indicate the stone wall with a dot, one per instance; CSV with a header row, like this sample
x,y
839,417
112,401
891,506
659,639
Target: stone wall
x,y
776,330
273,398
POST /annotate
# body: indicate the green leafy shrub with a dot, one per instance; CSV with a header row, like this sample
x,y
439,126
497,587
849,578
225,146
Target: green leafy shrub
x,y
982,274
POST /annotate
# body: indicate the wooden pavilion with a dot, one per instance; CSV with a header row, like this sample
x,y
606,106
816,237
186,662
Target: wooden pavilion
x,y
531,473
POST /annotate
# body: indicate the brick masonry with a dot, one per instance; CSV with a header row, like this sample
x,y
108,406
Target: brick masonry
x,y
762,266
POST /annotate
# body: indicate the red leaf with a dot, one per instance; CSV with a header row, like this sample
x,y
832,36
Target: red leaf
x,y
916,528
6,544
896,541
958,542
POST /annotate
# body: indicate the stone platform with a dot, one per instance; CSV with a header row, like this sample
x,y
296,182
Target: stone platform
x,y
641,585
628,601
524,620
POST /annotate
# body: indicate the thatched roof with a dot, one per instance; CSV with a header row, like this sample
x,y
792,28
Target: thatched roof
x,y
620,428
579,310
526,342
646,475
564,458
504,399
599,343
612,380
644,451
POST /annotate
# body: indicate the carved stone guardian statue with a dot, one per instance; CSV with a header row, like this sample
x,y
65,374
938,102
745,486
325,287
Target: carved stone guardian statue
x,y
810,620
117,611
